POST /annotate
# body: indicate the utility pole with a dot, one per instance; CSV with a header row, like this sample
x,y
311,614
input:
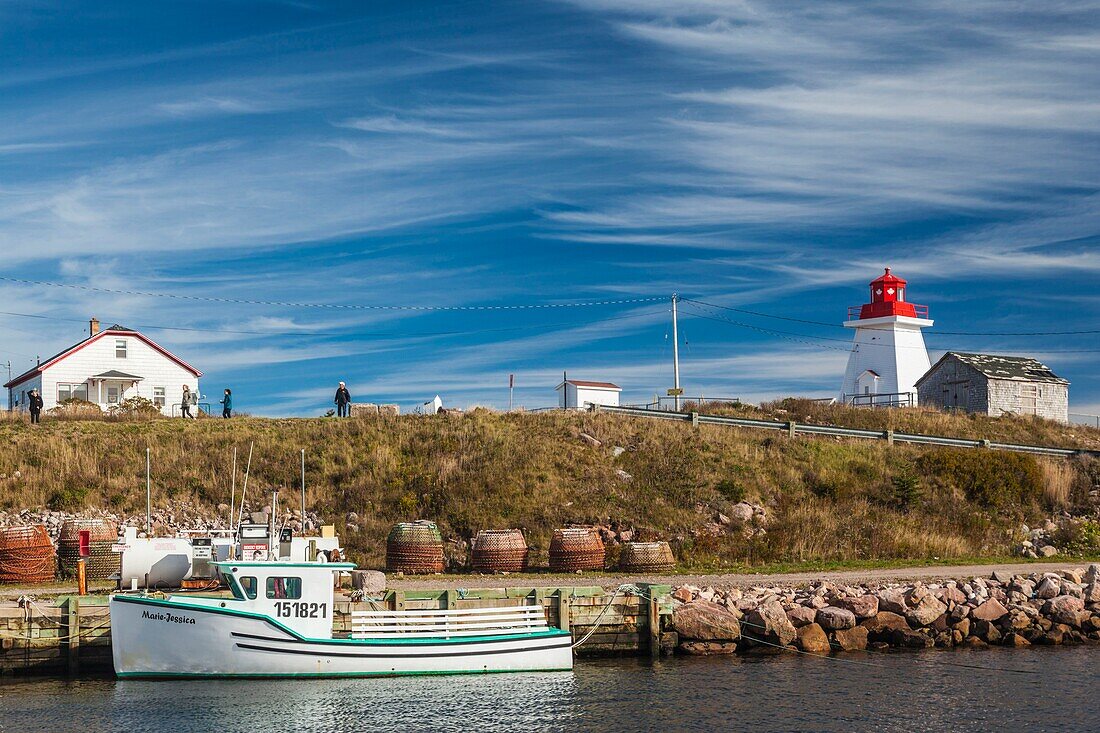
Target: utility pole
x,y
675,358
10,389
511,386
303,491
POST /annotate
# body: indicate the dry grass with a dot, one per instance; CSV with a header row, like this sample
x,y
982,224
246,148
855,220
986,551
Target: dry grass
x,y
1059,478
827,499
926,420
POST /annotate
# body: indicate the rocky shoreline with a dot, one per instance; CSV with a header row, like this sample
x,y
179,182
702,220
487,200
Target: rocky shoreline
x,y
1018,610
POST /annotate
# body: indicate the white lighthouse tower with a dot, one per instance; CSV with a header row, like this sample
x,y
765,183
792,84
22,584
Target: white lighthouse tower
x,y
888,355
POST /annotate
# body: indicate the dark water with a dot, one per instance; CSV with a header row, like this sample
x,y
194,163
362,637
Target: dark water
x,y
896,692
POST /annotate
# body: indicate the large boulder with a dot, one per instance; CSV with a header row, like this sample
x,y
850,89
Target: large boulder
x,y
707,648
1064,610
951,595
800,616
892,600
1092,593
741,512
833,618
851,640
705,621
371,582
926,610
991,610
812,638
769,622
884,624
1048,588
864,606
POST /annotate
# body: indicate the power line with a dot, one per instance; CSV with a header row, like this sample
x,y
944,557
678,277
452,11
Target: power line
x,y
936,333
337,306
802,337
373,334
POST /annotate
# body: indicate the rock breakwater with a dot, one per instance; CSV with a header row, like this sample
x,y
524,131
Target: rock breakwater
x,y
1018,610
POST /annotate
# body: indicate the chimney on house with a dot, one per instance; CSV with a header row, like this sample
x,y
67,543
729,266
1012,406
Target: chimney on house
x,y
93,326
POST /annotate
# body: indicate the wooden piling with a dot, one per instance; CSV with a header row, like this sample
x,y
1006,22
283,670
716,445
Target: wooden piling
x,y
71,629
563,610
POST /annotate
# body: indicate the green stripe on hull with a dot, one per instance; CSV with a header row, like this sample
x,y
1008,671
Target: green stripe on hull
x,y
316,675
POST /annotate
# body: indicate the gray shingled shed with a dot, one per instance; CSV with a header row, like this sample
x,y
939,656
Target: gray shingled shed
x,y
995,385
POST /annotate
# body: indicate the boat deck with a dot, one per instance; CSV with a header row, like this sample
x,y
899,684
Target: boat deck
x,y
72,634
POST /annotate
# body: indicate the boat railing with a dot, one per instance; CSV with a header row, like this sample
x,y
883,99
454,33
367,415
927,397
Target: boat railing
x,y
447,622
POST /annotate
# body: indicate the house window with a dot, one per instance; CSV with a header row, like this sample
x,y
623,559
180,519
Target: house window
x,y
72,392
120,348
112,395
158,396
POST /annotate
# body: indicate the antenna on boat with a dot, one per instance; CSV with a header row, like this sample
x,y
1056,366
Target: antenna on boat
x,y
232,490
148,496
271,532
303,491
244,489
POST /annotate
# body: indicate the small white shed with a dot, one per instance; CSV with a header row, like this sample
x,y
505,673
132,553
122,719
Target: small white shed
x,y
574,394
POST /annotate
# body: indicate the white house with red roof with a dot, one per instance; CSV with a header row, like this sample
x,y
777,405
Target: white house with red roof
x,y
111,365
574,394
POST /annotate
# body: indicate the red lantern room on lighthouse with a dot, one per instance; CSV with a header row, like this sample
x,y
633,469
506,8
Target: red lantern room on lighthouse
x,y
888,354
888,299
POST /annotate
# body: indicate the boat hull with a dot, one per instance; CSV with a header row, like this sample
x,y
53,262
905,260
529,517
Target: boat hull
x,y
156,638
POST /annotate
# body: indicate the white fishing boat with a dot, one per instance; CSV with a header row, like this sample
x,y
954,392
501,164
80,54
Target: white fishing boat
x,y
279,623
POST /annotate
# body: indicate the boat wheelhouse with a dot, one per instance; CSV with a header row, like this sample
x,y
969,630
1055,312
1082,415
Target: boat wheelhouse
x,y
279,623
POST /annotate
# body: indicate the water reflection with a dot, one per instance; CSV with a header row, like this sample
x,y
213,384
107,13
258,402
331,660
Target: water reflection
x,y
901,692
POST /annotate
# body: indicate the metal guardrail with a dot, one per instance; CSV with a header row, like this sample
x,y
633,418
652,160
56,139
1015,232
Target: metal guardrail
x,y
794,428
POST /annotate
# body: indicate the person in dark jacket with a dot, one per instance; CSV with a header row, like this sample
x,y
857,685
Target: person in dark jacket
x,y
343,401
35,404
227,404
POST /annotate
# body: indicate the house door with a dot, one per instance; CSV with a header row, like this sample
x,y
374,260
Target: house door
x,y
113,392
956,395
1029,394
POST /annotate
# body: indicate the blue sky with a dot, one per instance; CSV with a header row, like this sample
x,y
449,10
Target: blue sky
x,y
767,156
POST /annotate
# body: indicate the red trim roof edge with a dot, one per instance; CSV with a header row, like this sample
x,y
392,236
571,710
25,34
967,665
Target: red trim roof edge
x,y
80,345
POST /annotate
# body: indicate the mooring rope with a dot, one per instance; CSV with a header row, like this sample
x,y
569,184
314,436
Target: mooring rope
x,y
624,589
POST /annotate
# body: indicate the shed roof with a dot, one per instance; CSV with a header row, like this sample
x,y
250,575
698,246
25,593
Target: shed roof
x,y
586,383
993,366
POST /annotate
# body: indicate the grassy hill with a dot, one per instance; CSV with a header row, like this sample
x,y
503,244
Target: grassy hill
x,y
826,499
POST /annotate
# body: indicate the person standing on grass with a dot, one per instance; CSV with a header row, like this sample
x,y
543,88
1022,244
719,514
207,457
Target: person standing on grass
x,y
35,405
185,404
227,404
343,401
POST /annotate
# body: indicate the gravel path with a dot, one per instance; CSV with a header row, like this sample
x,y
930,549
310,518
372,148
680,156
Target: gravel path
x,y
526,580
442,582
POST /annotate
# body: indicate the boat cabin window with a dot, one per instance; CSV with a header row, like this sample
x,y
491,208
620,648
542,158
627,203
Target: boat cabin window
x,y
284,588
248,585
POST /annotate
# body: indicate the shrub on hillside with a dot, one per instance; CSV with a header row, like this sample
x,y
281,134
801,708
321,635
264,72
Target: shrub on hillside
x,y
906,484
76,407
68,498
135,407
990,478
1080,538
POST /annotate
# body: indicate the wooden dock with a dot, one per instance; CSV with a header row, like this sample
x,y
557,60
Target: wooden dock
x,y
69,635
